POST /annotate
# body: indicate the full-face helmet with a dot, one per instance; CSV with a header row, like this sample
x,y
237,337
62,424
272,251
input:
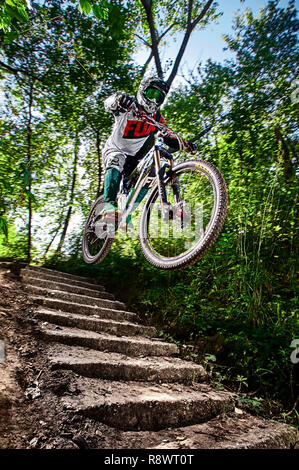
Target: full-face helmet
x,y
151,93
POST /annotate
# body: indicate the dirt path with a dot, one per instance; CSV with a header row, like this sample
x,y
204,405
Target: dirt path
x,y
18,414
91,377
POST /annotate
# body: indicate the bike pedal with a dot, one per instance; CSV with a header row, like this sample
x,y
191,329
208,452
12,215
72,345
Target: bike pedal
x,y
111,215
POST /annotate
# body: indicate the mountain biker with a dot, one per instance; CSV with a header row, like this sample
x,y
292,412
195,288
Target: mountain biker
x,y
132,138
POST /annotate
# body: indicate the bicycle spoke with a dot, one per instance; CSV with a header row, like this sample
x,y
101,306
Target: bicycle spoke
x,y
171,238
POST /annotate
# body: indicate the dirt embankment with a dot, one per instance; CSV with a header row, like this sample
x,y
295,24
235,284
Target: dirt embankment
x,y
17,369
30,412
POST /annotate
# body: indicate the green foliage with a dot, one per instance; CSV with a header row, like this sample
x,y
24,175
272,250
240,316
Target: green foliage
x,y
100,10
3,226
84,6
12,11
237,307
70,64
236,310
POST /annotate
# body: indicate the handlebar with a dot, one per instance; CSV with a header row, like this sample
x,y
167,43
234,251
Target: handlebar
x,y
145,117
165,131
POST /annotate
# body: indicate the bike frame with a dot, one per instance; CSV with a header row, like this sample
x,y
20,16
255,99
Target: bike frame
x,y
145,165
143,178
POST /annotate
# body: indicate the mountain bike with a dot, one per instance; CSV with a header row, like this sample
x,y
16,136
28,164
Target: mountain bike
x,y
183,213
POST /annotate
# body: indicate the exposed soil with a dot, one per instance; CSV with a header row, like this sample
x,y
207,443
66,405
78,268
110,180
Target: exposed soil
x,y
32,413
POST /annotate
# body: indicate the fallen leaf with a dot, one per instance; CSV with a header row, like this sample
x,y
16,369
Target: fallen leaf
x,y
238,411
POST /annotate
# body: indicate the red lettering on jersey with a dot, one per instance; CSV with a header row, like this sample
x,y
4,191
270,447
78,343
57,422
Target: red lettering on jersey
x,y
137,129
129,127
137,132
150,128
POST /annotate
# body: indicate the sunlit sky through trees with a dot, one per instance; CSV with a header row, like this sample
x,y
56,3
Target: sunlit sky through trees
x,y
207,44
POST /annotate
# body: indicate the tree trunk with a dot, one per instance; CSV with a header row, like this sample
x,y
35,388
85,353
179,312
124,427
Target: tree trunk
x,y
284,154
98,144
241,156
60,220
72,193
293,150
155,39
29,158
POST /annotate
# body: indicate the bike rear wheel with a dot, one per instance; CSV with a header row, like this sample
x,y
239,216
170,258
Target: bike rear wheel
x,y
96,241
191,227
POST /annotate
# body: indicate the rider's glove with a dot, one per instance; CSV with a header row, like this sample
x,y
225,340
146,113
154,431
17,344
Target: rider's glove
x,y
189,147
126,101
164,132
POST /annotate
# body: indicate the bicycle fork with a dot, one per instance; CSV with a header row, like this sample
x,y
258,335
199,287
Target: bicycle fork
x,y
168,212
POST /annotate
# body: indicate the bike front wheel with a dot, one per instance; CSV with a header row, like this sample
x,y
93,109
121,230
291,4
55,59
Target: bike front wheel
x,y
181,235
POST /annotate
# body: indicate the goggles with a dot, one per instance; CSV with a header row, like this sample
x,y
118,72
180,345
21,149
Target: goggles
x,y
153,94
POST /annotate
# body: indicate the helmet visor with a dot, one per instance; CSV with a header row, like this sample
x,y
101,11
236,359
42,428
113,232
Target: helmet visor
x,y
153,94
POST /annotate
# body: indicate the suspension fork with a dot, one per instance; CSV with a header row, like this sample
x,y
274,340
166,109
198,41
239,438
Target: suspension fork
x,y
160,172
175,184
161,187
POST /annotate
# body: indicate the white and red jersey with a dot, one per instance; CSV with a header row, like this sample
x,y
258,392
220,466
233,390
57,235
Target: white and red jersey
x,y
130,135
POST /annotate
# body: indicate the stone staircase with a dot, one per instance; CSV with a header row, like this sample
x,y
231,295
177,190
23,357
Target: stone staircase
x,y
131,380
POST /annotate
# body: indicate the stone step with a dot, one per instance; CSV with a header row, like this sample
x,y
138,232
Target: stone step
x,y
81,309
141,406
90,280
66,287
129,345
6,264
76,298
60,278
115,366
231,431
94,323
12,266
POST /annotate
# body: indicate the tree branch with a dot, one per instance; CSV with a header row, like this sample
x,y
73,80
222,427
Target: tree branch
x,y
147,63
166,31
202,14
190,7
143,40
158,42
201,134
16,71
147,4
188,32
